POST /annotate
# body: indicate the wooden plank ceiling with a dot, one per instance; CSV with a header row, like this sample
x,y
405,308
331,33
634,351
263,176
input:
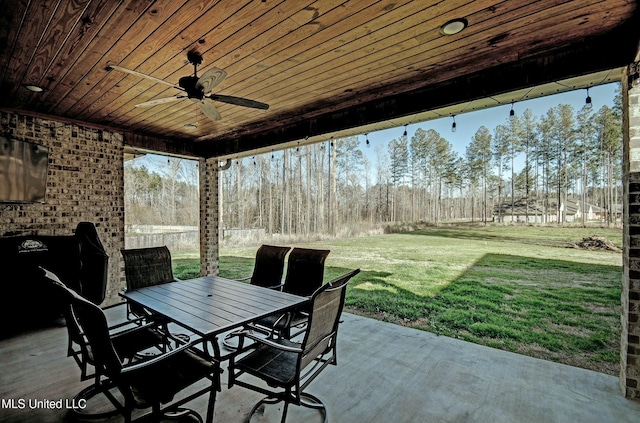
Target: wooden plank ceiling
x,y
323,66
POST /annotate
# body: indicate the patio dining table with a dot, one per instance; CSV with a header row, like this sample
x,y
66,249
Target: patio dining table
x,y
210,306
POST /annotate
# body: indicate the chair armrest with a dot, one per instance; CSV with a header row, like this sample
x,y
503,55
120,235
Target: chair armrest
x,y
267,341
279,286
130,330
247,278
133,322
271,330
142,364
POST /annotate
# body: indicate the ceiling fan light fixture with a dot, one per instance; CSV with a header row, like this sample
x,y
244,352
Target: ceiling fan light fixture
x,y
454,26
33,88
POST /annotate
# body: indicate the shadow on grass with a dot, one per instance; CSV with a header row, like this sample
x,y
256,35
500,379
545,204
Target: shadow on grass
x,y
557,310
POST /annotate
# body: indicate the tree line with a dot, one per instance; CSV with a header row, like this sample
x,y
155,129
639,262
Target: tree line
x,y
165,197
536,163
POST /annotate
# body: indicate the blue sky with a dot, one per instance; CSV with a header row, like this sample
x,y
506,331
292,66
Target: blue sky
x,y
468,123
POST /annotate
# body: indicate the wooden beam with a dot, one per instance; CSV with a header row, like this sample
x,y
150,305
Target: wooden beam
x,y
177,147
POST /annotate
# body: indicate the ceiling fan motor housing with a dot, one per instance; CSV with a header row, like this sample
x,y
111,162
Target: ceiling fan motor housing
x,y
189,84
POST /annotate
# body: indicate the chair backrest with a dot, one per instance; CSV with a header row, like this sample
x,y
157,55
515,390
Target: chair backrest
x,y
147,266
326,307
67,294
93,323
84,355
305,270
269,265
95,328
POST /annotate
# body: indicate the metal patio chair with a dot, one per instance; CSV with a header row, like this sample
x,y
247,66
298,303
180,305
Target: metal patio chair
x,y
145,267
267,272
127,341
269,266
305,273
289,367
149,383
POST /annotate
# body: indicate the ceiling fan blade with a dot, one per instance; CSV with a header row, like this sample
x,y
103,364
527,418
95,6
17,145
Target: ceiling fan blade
x,y
160,101
208,110
210,79
239,101
142,75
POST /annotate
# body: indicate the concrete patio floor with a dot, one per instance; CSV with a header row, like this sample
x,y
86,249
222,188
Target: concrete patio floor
x,y
385,373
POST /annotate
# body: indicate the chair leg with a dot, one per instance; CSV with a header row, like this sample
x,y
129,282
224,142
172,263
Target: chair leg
x,y
310,401
155,412
212,403
83,397
228,345
306,400
99,386
284,412
266,400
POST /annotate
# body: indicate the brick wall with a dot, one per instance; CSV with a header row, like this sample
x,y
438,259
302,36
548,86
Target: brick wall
x,y
85,183
630,301
209,235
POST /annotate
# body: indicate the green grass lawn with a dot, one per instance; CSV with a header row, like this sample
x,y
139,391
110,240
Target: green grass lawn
x,y
520,289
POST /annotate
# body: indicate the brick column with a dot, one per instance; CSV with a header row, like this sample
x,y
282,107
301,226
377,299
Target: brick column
x,y
209,229
630,338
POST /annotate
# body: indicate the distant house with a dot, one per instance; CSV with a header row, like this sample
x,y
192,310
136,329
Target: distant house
x,y
532,212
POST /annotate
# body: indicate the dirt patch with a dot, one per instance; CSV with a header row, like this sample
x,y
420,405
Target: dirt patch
x,y
596,243
584,361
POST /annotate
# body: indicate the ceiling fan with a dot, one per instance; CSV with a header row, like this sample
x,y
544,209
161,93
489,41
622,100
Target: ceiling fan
x,y
196,89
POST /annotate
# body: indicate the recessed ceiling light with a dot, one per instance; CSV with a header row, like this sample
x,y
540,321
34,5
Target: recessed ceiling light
x,y
34,88
454,26
191,126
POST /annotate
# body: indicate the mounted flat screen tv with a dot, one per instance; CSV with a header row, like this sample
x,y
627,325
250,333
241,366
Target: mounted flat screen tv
x,y
23,171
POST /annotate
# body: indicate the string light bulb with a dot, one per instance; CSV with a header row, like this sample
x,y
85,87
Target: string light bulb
x,y
587,102
367,140
405,131
453,125
512,113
